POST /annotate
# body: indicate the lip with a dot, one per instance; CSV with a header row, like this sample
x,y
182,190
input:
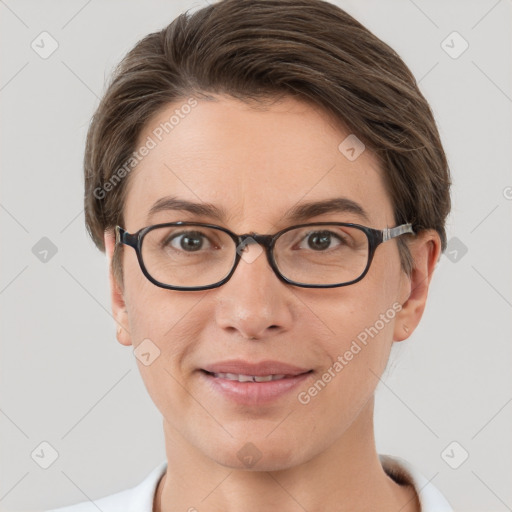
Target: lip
x,y
254,393
258,369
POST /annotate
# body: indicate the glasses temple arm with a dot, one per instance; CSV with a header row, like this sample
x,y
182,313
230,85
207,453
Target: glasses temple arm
x,y
389,233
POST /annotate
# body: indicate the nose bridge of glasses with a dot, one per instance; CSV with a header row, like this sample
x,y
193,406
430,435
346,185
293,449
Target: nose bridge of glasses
x,y
253,238
263,241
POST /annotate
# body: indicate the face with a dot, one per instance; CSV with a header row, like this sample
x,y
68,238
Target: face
x,y
255,165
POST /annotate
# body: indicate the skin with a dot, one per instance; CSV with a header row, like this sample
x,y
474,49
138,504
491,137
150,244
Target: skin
x,y
257,164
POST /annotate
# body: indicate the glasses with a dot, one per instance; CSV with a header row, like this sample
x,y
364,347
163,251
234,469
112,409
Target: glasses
x,y
192,256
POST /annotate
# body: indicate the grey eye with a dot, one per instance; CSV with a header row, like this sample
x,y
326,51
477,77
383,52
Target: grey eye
x,y
189,241
321,240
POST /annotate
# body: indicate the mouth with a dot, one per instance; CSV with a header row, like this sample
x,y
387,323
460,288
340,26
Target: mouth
x,y
253,384
249,378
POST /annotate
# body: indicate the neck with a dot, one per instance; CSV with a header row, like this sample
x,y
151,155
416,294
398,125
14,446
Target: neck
x,y
347,475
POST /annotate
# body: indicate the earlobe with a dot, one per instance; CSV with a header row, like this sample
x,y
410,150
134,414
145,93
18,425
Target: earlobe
x,y
123,336
119,309
425,251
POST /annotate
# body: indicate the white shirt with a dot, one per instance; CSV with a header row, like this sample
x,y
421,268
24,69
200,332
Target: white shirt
x,y
140,498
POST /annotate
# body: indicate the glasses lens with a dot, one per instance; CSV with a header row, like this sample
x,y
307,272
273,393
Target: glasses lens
x,y
322,255
188,256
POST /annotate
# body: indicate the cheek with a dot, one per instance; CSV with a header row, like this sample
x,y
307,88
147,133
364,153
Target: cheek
x,y
361,345
168,318
152,311
162,333
360,319
356,357
167,340
358,313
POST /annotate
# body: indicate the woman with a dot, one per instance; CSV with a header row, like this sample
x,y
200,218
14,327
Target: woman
x,y
270,189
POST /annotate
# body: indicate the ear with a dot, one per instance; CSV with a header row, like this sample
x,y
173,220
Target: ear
x,y
425,251
119,309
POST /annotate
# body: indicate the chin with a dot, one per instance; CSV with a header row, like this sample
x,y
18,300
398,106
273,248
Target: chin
x,y
258,455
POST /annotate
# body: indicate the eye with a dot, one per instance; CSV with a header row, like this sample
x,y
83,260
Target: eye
x,y
322,240
188,241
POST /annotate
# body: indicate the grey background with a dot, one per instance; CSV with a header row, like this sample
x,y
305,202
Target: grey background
x,y
64,377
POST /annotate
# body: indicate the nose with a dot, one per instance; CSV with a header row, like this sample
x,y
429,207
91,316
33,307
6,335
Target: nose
x,y
254,303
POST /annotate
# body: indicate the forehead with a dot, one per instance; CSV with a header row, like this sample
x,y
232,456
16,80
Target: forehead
x,y
253,164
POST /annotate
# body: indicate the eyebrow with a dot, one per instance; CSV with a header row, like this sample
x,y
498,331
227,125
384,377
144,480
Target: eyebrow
x,y
305,211
299,213
173,203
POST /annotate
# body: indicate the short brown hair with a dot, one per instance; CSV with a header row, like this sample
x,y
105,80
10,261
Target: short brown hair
x,y
256,50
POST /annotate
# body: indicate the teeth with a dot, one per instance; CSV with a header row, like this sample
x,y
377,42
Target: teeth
x,y
248,378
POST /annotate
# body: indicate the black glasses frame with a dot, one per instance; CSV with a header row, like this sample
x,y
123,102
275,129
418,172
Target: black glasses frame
x,y
375,238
